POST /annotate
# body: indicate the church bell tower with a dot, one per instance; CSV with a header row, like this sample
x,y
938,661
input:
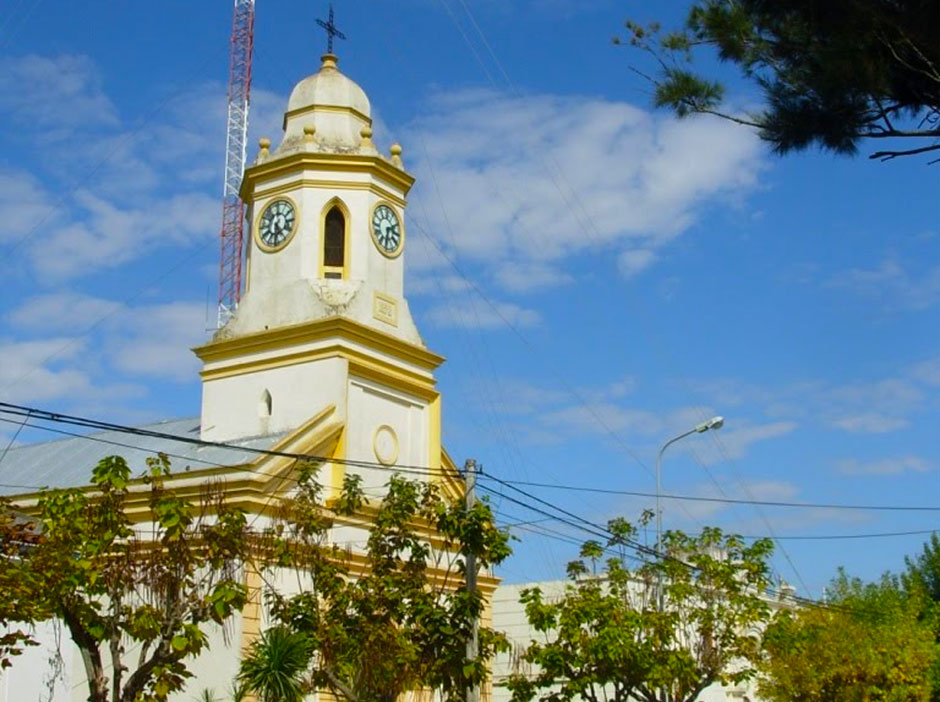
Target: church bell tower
x,y
323,328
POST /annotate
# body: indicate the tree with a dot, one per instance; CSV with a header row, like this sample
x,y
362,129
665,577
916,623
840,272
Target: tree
x,y
608,637
832,74
865,643
923,571
921,581
275,666
135,599
396,618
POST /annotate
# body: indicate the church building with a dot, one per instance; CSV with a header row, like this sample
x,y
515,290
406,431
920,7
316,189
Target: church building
x,y
322,358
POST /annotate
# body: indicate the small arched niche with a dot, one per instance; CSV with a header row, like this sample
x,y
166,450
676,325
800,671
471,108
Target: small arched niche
x,y
334,242
265,405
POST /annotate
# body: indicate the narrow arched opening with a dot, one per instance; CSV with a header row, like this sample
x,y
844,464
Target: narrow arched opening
x,y
334,243
265,405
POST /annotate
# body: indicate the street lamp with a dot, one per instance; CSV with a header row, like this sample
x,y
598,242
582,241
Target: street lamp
x,y
713,423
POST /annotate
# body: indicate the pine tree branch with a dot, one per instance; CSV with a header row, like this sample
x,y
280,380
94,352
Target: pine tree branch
x,y
890,155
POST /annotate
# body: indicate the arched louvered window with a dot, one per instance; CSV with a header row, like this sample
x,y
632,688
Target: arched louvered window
x,y
334,243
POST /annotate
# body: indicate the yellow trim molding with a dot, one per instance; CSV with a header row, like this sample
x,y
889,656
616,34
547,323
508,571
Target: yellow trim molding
x,y
316,330
347,163
328,184
344,109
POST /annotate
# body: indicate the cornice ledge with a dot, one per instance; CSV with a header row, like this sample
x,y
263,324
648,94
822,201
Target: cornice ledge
x,y
330,161
219,350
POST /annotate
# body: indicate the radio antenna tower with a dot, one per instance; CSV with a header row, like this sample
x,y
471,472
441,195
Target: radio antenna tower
x,y
236,137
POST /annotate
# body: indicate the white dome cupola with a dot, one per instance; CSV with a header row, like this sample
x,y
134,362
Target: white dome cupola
x,y
334,106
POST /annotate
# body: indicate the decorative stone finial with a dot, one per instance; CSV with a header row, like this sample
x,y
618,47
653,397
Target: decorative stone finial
x,y
309,131
265,145
396,155
366,134
328,62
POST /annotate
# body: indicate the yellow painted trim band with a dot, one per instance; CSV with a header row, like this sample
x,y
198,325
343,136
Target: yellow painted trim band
x,y
273,339
360,365
343,109
347,163
333,185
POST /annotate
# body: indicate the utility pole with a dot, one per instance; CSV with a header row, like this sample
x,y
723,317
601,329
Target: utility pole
x,y
470,481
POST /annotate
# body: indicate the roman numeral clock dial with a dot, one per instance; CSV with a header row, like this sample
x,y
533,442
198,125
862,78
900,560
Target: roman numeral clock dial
x,y
276,225
386,230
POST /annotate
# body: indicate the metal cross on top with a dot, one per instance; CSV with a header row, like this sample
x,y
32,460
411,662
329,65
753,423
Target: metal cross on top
x,y
331,31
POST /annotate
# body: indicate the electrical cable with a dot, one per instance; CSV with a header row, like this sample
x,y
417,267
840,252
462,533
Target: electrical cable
x,y
75,420
557,176
723,500
37,414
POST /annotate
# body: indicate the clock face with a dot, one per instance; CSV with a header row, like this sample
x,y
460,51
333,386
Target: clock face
x,y
386,230
276,223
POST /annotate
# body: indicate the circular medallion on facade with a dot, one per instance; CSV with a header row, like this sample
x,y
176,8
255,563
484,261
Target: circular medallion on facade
x,y
385,444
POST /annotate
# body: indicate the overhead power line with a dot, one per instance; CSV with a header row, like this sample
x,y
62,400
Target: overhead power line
x,y
33,413
728,500
541,507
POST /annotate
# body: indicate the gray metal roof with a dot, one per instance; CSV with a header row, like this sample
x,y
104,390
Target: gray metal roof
x,y
68,462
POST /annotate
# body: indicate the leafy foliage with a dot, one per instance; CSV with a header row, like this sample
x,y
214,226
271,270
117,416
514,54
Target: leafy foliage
x,y
123,590
921,581
397,617
868,643
276,664
922,574
831,73
608,637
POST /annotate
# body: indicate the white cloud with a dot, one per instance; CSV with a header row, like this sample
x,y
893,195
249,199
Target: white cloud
x,y
156,341
928,372
24,205
54,93
54,369
62,312
733,442
526,276
536,179
633,261
144,341
886,466
870,423
893,283
152,186
515,397
888,396
739,490
601,418
460,311
107,235
865,406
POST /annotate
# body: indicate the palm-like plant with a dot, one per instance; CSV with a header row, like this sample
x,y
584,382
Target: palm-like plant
x,y
276,665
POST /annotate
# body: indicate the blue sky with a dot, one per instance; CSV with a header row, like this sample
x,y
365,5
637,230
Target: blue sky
x,y
610,276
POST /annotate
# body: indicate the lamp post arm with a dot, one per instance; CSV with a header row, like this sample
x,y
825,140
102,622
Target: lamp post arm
x,y
659,487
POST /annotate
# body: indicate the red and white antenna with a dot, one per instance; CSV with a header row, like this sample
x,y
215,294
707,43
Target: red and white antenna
x,y
236,138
